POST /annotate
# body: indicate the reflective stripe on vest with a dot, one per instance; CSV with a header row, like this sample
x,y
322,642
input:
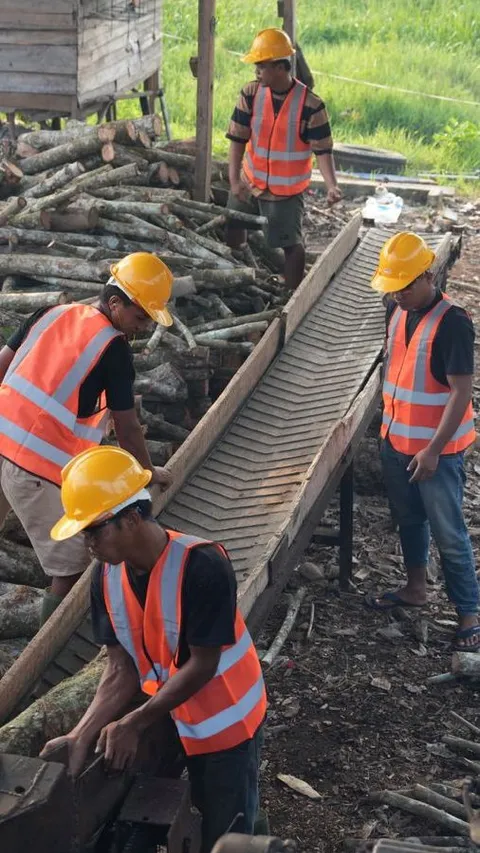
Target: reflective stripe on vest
x,y
414,401
275,156
229,708
39,426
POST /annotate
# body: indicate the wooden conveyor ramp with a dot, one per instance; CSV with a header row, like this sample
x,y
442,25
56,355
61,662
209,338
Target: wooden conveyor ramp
x,y
252,469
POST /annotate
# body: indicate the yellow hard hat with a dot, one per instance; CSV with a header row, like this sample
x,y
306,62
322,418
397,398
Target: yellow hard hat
x,y
403,258
270,45
148,282
94,482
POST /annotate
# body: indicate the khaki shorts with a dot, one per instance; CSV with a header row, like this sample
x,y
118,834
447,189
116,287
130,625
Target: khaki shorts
x,y
37,505
285,217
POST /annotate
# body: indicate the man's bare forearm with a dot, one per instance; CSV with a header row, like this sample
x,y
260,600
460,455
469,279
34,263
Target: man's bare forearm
x,y
327,167
235,157
118,686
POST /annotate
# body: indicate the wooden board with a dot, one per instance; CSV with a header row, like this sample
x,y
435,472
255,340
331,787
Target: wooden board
x,y
319,275
31,20
33,37
34,102
32,84
38,60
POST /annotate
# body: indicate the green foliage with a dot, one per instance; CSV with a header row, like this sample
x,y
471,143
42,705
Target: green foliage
x,y
459,142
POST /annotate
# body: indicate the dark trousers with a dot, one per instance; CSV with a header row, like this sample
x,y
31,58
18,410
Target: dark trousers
x,y
224,789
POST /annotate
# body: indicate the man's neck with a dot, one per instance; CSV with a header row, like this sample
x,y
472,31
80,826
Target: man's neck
x,y
429,300
282,87
147,552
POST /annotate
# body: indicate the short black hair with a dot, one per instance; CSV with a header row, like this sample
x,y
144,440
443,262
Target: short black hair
x,y
144,509
112,290
285,63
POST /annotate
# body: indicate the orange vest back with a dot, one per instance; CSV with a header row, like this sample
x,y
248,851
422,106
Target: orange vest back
x,y
414,401
276,158
40,430
232,705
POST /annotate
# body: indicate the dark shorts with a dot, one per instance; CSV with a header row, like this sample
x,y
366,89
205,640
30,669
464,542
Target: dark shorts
x,y
285,217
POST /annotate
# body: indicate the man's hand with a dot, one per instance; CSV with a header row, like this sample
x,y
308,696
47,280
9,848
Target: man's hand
x,y
423,465
240,191
334,195
161,477
119,743
77,752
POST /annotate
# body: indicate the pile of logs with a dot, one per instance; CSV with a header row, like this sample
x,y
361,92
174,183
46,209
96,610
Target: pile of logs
x,y
78,199
74,201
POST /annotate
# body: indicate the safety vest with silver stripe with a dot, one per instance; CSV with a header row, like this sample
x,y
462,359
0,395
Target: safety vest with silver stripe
x,y
40,430
414,401
230,707
276,158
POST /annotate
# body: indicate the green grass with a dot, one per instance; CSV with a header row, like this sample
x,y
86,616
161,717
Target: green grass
x,y
430,46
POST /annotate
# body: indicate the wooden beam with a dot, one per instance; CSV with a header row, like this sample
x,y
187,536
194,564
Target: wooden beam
x,y
206,52
287,11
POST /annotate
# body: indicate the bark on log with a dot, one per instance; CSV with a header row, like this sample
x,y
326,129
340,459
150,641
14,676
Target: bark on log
x,y
56,181
467,723
216,222
19,564
23,149
33,265
183,286
10,650
222,279
465,663
422,810
61,196
11,208
256,222
127,192
157,425
20,608
274,258
240,347
54,714
184,331
70,219
232,333
43,139
10,173
230,322
433,798
87,253
26,303
461,745
72,285
164,382
151,124
220,306
120,156
154,341
67,153
9,284
160,451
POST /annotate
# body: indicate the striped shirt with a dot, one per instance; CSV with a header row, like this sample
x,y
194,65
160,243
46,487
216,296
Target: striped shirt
x,y
314,124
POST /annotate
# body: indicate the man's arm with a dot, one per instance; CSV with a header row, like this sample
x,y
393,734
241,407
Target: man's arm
x,y
6,358
118,686
130,436
235,157
326,165
119,740
424,464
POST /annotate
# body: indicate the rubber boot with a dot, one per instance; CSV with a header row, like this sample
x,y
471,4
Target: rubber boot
x,y
49,605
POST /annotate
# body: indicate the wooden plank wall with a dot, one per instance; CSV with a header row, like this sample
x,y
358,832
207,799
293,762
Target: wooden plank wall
x,y
116,52
38,54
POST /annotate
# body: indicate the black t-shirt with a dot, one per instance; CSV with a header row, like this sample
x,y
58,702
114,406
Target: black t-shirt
x,y
113,373
209,602
453,345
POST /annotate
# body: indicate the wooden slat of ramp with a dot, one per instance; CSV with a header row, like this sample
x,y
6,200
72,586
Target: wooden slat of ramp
x,y
244,489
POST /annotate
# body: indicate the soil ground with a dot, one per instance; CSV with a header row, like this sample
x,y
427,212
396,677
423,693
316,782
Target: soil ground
x,y
351,711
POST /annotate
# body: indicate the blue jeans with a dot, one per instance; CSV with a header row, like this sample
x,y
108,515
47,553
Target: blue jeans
x,y
435,506
224,789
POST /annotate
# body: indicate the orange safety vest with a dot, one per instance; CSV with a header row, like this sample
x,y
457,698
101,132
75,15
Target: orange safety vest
x,y
414,401
231,706
276,158
40,430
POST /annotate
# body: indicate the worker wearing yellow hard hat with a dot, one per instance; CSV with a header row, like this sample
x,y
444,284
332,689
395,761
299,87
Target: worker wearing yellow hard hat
x,y
64,373
277,125
164,605
427,426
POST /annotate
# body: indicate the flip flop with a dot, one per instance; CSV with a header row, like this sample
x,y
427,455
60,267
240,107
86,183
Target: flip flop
x,y
466,634
393,599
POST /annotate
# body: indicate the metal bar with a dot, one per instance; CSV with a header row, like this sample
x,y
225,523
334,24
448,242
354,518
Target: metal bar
x,y
346,527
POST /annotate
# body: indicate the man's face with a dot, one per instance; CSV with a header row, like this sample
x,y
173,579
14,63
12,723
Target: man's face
x,y
416,295
110,541
266,73
129,319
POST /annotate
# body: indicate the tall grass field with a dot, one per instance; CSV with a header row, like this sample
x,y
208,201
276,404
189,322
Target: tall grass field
x,y
428,46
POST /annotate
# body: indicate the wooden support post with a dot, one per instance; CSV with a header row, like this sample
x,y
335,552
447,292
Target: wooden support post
x,y
287,11
346,527
151,84
206,52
